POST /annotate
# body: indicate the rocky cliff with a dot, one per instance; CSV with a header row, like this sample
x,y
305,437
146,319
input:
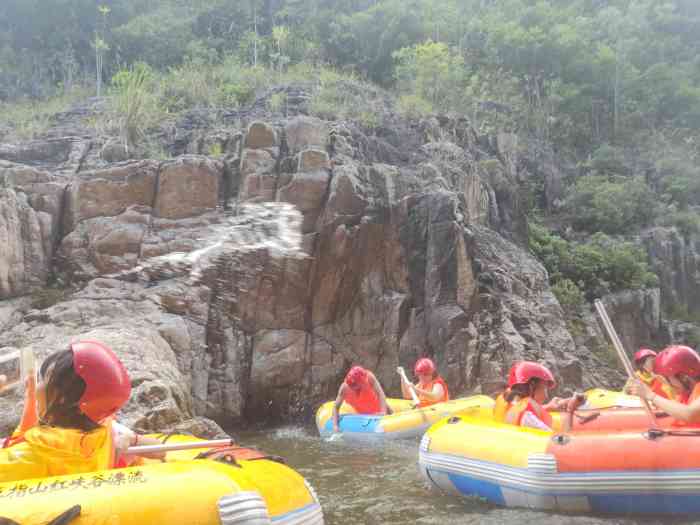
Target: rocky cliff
x,y
414,232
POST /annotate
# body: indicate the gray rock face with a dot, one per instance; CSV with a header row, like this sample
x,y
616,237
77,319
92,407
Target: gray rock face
x,y
25,236
676,260
636,315
405,233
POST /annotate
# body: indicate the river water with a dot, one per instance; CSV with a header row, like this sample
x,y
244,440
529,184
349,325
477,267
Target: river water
x,y
362,484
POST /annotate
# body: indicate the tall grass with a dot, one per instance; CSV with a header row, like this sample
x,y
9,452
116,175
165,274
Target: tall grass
x,y
140,100
27,119
135,103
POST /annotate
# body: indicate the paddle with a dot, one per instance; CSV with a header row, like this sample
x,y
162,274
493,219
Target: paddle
x,y
172,447
411,388
612,334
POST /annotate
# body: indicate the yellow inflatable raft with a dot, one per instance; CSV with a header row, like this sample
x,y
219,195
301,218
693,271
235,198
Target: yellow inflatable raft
x,y
614,472
241,487
600,398
405,422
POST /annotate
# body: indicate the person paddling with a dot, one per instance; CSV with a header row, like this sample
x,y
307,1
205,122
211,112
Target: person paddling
x,y
680,365
68,426
362,392
528,388
430,388
644,364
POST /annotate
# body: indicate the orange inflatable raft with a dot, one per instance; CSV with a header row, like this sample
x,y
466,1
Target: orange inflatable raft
x,y
615,472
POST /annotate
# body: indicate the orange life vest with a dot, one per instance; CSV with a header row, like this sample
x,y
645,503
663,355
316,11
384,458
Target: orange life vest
x,y
500,409
687,399
695,394
517,410
424,402
364,401
646,377
52,451
661,387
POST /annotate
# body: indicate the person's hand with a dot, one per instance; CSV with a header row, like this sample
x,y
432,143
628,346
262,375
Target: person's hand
x,y
574,402
637,388
3,382
557,403
402,374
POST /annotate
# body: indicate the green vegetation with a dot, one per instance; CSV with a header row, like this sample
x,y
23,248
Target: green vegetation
x,y
611,204
577,72
26,118
594,268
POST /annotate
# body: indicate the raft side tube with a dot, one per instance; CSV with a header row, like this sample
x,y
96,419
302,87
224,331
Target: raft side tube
x,y
623,472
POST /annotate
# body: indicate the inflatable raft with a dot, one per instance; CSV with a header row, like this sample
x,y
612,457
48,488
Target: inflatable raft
x,y
601,398
241,487
404,422
623,472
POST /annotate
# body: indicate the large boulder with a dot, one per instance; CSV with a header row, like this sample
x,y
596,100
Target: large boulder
x,y
152,343
188,186
109,192
26,237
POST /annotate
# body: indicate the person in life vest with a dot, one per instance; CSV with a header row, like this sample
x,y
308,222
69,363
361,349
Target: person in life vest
x,y
68,426
362,392
644,363
528,388
680,365
430,388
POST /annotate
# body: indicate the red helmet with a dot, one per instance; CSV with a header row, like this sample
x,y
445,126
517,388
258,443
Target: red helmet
x,y
642,354
107,384
677,360
424,366
356,377
522,371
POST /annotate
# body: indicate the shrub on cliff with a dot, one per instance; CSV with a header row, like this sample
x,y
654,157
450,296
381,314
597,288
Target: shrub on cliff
x,y
569,295
597,267
611,204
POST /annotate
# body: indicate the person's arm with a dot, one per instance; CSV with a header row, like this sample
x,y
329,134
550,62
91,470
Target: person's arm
x,y
145,440
436,394
30,418
556,404
571,405
336,407
380,394
688,413
124,438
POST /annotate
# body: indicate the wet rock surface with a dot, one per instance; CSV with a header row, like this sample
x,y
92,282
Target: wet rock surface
x,y
414,236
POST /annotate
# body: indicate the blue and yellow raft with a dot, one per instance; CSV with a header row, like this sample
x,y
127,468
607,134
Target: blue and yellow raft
x,y
405,421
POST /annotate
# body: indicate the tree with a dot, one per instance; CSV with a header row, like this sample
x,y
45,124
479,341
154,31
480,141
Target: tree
x,y
280,35
431,71
101,46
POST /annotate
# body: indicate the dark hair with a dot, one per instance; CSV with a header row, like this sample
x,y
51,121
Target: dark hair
x,y
639,365
521,390
64,388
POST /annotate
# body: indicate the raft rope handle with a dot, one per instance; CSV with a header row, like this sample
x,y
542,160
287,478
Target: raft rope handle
x,y
67,516
612,334
149,449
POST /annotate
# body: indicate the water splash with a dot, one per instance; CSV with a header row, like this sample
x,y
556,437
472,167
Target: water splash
x,y
272,226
